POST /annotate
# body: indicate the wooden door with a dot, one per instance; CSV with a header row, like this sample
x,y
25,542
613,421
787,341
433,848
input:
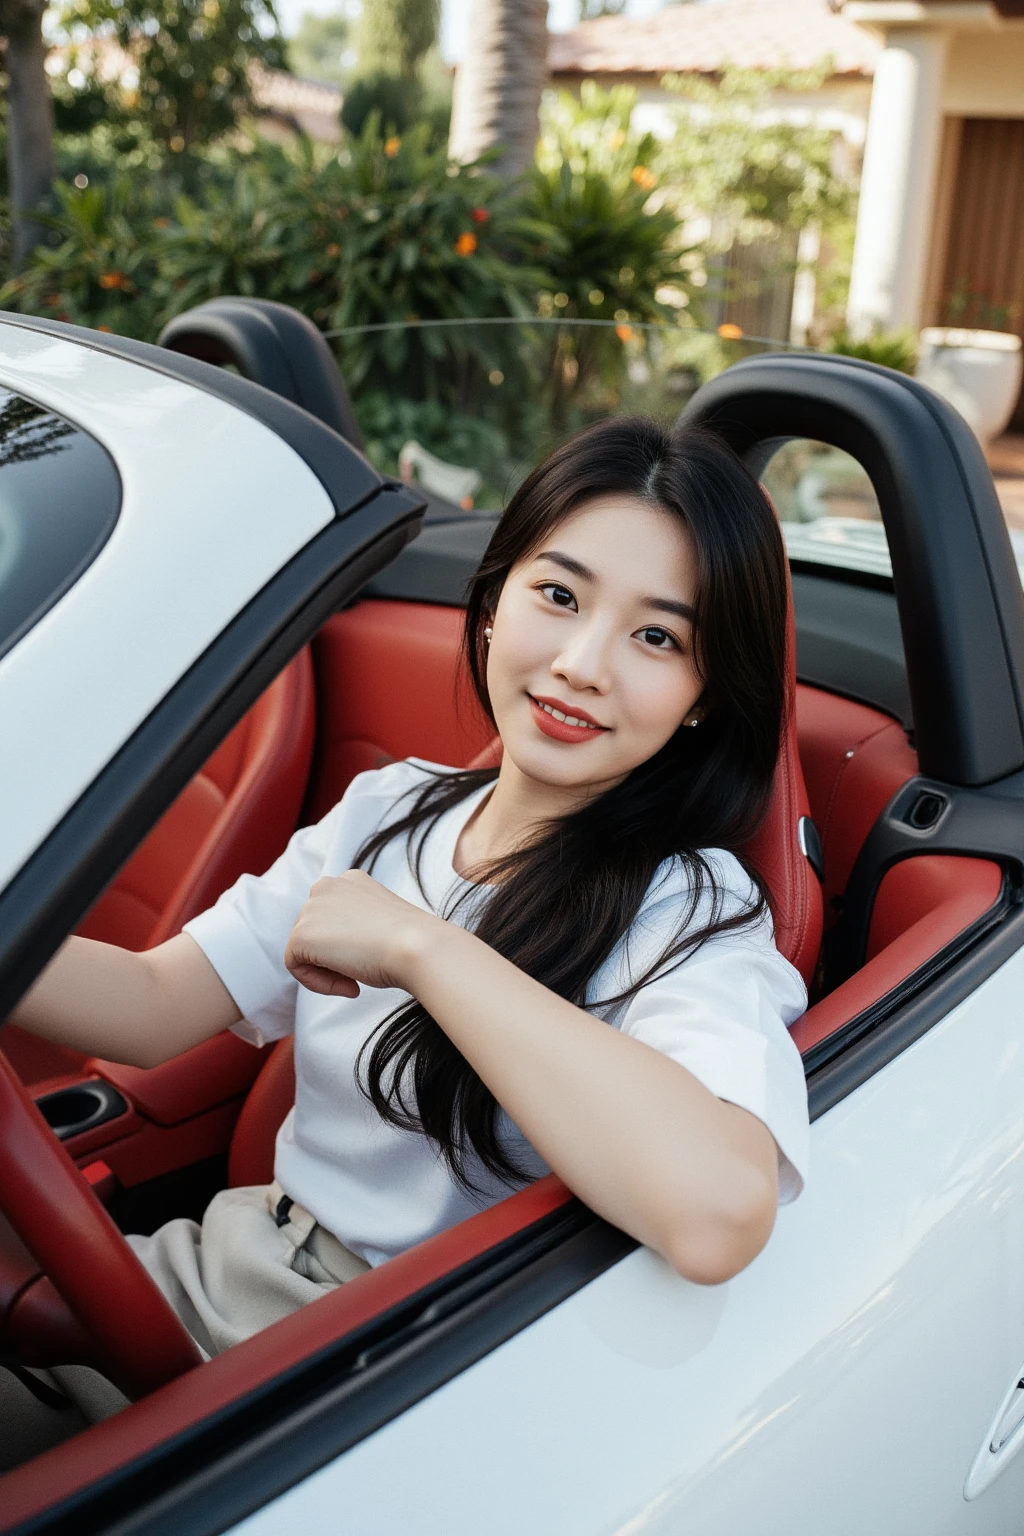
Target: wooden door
x,y
983,282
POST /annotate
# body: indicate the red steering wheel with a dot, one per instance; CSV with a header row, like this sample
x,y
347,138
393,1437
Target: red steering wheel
x,y
140,1342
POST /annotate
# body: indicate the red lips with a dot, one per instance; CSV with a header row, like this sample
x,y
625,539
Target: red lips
x,y
560,730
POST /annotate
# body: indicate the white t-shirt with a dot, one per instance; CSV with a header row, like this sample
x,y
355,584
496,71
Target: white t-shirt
x,y
723,1014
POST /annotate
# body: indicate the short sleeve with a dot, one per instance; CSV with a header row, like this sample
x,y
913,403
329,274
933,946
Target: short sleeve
x,y
245,933
724,1014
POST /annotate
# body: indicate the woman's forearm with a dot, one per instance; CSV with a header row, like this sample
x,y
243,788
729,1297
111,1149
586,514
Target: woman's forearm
x,y
634,1134
140,1009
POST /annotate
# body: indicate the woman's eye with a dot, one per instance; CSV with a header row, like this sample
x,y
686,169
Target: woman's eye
x,y
558,594
659,638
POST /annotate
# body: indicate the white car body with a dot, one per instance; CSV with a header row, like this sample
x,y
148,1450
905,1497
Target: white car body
x,y
853,1380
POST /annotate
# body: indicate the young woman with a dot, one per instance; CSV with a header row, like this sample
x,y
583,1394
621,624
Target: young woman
x,y
562,963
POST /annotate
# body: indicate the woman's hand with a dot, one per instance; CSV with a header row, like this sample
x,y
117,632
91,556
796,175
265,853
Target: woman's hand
x,y
354,931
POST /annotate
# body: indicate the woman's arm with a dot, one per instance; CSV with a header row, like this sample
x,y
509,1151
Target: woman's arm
x,y
139,1009
633,1133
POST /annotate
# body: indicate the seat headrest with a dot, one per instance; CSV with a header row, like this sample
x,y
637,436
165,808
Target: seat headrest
x,y
785,850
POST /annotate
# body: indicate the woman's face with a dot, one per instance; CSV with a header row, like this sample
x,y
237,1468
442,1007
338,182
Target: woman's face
x,y
596,624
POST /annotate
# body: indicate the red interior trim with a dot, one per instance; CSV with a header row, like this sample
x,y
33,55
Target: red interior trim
x,y
854,760
218,1069
136,1150
57,1474
971,888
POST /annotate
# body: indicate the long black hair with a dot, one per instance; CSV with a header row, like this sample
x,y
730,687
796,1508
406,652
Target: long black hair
x,y
557,908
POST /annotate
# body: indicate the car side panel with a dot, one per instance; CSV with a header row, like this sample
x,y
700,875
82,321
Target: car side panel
x,y
843,1383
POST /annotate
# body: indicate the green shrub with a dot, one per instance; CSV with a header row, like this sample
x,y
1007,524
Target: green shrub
x,y
381,231
102,269
365,240
892,349
396,102
388,421
610,246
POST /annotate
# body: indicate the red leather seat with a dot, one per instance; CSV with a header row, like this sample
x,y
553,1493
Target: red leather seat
x,y
235,816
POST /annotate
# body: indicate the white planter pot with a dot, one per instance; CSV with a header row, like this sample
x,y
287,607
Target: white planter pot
x,y
978,372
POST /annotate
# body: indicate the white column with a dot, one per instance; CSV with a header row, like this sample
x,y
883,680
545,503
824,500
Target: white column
x,y
901,158
801,314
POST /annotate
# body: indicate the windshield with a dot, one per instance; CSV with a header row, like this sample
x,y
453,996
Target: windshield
x,y
467,408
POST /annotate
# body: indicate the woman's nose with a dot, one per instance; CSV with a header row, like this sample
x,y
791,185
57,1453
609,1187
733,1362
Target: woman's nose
x,y
585,663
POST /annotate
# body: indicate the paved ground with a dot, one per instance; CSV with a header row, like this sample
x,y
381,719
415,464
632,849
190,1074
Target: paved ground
x,y
1006,458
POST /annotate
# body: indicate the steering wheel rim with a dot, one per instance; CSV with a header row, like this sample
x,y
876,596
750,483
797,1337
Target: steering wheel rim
x,y
141,1339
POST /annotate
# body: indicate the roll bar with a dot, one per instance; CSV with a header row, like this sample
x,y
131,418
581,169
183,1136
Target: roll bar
x,y
959,595
272,345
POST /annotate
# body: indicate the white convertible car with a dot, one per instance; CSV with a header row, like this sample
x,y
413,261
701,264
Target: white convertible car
x,y
213,612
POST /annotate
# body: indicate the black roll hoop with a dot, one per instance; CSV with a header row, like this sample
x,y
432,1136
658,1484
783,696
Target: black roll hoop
x,y
958,592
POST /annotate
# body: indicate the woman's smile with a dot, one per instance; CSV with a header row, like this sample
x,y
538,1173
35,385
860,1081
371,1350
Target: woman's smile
x,y
564,722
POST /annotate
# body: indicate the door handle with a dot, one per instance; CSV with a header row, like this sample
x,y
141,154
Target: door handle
x,y
1005,1437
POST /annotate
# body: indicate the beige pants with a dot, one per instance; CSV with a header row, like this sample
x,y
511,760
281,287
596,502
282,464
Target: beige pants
x,y
240,1272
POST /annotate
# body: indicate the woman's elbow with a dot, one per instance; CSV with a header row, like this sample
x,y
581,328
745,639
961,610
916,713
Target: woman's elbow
x,y
717,1244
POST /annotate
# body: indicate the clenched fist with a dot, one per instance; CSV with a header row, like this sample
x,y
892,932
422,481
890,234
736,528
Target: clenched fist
x,y
354,932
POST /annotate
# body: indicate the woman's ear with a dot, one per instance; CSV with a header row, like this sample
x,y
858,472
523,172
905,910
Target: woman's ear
x,y
697,713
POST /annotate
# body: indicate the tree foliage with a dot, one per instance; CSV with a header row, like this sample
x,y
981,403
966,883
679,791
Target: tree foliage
x,y
193,60
736,155
392,39
319,48
392,36
594,182
617,255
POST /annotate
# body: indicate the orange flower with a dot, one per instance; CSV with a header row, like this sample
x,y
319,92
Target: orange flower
x,y
333,250
161,223
730,332
392,146
113,280
104,328
644,177
55,301
624,332
479,215
465,245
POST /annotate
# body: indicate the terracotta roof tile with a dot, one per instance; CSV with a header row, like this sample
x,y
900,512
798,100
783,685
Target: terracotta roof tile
x,y
700,39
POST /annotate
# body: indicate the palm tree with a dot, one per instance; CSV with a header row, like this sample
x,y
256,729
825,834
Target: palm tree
x,y
499,82
29,119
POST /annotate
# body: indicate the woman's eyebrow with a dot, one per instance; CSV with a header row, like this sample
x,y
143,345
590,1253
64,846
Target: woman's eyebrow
x,y
666,605
567,563
577,568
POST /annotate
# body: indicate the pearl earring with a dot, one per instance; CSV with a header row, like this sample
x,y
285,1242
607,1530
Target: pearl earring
x,y
488,632
695,721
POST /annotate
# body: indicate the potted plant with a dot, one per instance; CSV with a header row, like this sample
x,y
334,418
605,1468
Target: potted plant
x,y
975,365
